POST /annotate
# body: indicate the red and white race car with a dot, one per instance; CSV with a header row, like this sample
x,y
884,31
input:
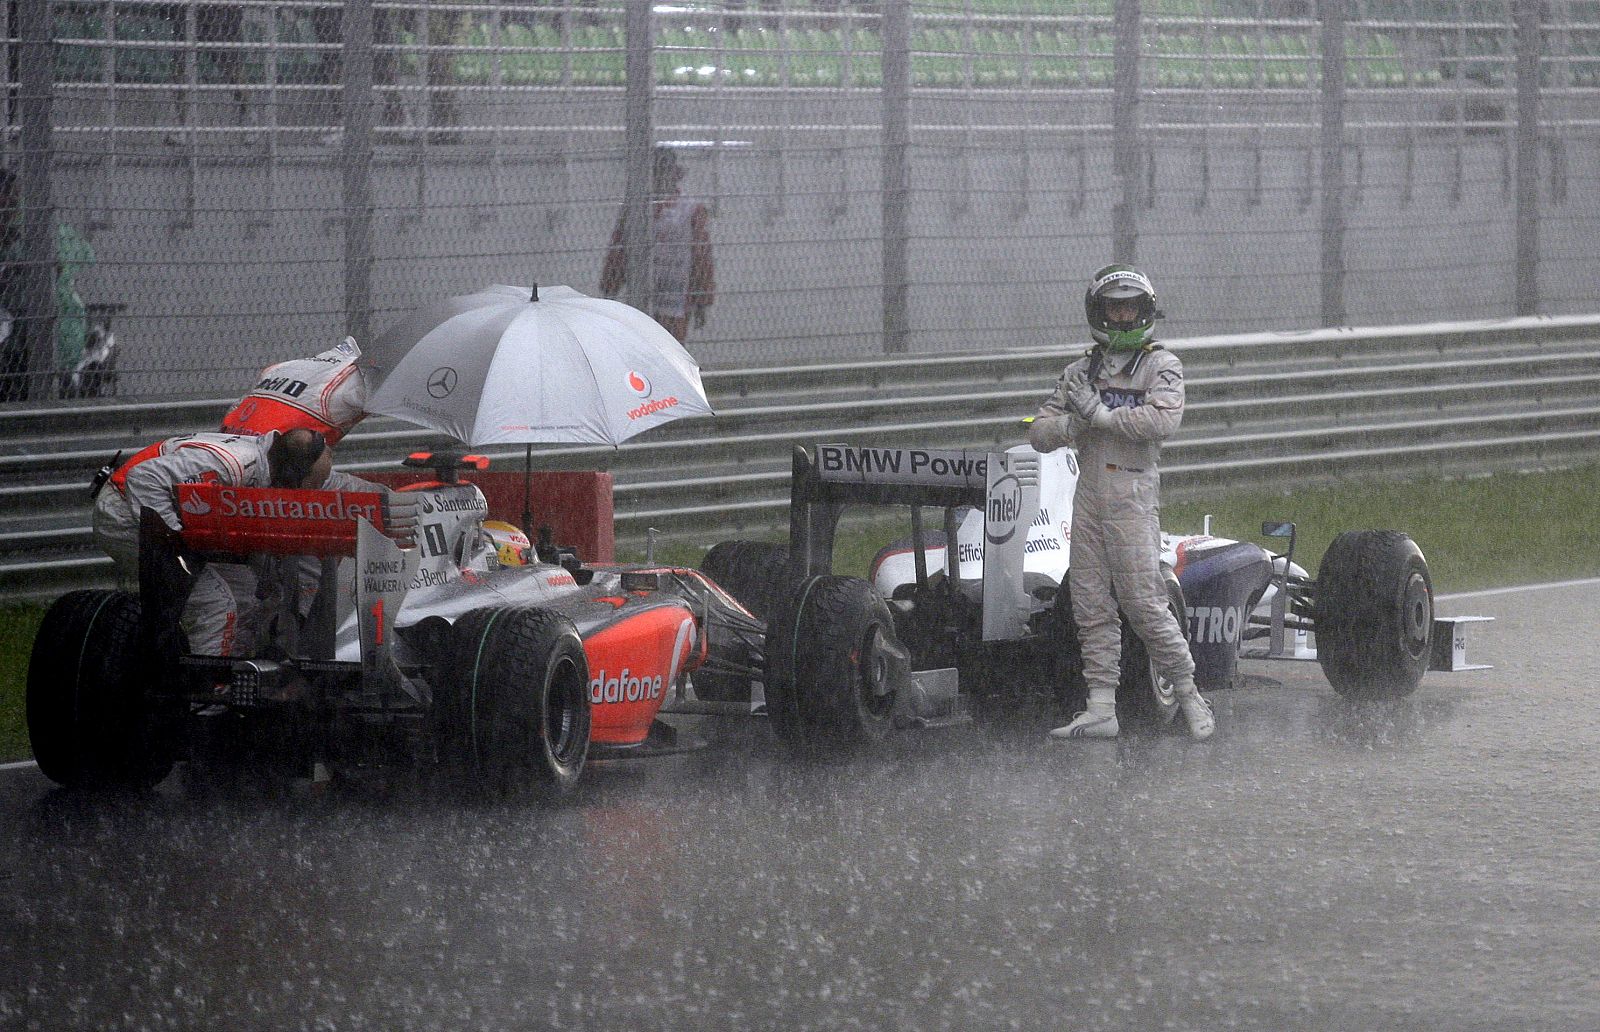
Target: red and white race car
x,y
511,675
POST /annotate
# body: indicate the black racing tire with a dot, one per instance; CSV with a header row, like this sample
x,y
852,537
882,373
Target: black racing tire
x,y
1145,700
830,652
518,719
88,715
1373,614
778,675
754,572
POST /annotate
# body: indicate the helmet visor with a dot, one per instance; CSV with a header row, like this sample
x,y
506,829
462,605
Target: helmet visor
x,y
1132,310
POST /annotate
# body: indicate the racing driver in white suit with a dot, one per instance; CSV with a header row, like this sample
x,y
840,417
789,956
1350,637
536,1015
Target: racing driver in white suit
x,y
1116,405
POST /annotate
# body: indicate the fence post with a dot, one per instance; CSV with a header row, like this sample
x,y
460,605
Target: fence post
x,y
896,35
358,117
1333,114
36,291
1528,45
638,240
1126,145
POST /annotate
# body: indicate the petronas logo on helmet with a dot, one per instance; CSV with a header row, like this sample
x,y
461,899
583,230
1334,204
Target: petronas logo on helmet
x,y
1133,276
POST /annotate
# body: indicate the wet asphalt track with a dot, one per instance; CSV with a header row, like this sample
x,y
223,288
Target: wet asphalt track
x,y
1429,864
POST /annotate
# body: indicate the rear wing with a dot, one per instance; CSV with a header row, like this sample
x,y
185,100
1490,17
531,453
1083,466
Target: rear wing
x,y
232,521
1004,485
823,483
278,521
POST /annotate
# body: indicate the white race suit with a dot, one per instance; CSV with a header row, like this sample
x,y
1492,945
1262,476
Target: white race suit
x,y
1116,536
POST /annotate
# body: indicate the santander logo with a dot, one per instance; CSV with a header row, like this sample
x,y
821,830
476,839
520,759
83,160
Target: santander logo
x,y
639,383
194,505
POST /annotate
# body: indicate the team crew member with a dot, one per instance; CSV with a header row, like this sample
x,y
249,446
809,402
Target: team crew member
x,y
224,593
1116,405
325,393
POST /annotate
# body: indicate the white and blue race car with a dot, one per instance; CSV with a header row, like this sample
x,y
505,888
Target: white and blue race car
x,y
848,660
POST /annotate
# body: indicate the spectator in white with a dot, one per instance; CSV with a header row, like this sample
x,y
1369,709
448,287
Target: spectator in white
x,y
1117,404
224,595
685,280
325,393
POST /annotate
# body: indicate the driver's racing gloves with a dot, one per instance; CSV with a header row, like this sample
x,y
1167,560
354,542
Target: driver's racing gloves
x,y
1084,399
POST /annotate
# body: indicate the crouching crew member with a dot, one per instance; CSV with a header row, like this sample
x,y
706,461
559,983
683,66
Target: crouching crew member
x,y
224,595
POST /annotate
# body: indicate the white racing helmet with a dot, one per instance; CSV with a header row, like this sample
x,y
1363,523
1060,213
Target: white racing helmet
x,y
1121,283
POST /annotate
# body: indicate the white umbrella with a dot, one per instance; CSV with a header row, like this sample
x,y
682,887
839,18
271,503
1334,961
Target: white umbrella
x,y
509,365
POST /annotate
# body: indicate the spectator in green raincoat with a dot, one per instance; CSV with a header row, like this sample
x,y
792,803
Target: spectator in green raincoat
x,y
73,255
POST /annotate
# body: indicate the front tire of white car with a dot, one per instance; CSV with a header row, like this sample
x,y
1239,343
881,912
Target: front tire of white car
x,y
1373,614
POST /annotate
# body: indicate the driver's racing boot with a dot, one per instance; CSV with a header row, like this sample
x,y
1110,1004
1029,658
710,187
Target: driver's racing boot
x,y
1098,721
1196,710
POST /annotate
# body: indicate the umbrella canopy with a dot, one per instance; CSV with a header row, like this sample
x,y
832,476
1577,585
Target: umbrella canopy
x,y
509,365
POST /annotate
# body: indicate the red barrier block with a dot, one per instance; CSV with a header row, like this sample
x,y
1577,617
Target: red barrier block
x,y
575,505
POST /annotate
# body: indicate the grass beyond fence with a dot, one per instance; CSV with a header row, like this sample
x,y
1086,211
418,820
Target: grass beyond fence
x,y
1510,528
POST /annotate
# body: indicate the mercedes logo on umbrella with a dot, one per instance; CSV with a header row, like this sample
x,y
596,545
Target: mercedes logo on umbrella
x,y
441,382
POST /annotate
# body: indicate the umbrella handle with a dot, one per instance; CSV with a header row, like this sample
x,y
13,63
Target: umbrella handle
x,y
527,477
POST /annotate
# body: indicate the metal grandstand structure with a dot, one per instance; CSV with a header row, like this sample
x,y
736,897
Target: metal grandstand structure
x,y
257,177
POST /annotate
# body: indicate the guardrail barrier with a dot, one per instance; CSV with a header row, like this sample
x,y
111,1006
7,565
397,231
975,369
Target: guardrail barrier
x,y
1280,409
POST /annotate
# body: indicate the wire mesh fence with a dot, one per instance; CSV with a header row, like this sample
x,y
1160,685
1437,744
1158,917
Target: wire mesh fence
x,y
220,185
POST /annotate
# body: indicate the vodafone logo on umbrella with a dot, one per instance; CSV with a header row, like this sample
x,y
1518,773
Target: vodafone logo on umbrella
x,y
639,384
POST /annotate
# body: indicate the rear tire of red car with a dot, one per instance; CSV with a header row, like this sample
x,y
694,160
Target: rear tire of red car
x,y
1373,613
87,714
829,656
519,718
